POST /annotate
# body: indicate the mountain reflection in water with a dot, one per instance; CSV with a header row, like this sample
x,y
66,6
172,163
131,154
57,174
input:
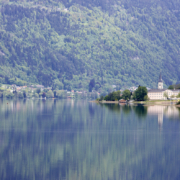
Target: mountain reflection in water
x,y
57,139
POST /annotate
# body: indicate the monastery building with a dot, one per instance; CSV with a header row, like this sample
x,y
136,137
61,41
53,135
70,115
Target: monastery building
x,y
160,93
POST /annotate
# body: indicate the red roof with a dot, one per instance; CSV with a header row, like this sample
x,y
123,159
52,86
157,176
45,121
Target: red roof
x,y
122,101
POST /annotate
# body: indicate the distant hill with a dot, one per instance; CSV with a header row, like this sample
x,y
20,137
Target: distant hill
x,y
69,43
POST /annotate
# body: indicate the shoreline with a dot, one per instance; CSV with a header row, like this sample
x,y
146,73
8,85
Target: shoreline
x,y
145,103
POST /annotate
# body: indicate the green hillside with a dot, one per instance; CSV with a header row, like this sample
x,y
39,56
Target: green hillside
x,y
69,43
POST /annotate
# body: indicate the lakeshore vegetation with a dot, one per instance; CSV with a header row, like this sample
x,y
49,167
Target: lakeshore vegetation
x,y
139,95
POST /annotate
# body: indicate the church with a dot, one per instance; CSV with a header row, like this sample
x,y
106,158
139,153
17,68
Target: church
x,y
159,94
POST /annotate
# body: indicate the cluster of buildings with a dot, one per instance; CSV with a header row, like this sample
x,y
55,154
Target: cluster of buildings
x,y
32,88
66,94
153,94
83,94
160,93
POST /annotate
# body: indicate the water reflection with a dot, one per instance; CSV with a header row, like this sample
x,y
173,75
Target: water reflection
x,y
140,111
79,140
126,109
112,107
170,112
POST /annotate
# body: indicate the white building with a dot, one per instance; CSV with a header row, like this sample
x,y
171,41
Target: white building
x,y
160,93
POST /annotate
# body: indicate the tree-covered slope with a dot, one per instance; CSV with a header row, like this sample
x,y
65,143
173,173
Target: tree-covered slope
x,y
71,42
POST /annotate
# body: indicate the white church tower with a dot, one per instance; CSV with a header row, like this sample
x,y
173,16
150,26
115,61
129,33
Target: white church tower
x,y
160,82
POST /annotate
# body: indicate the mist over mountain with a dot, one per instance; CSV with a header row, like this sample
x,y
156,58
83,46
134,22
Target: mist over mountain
x,y
69,43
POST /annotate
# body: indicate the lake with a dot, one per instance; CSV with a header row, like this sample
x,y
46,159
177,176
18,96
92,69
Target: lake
x,y
79,140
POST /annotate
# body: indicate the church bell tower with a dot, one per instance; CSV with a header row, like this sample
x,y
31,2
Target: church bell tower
x,y
160,82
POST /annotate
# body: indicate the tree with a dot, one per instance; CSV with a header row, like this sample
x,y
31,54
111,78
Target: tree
x,y
36,95
55,93
146,98
57,85
140,94
171,87
44,95
178,96
91,85
97,87
19,83
7,79
59,94
114,96
126,94
49,94
101,98
9,94
38,90
165,94
24,94
2,89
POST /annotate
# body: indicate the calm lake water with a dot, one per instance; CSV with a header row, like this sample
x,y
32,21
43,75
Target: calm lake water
x,y
78,140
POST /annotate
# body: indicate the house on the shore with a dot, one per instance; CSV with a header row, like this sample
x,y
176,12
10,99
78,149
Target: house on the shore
x,y
122,101
161,93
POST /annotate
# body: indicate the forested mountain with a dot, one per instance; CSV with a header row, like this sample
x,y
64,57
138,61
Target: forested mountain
x,y
69,43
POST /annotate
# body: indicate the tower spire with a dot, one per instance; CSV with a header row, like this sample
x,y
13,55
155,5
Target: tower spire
x,y
160,82
160,78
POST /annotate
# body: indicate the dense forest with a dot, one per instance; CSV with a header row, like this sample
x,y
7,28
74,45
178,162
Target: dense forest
x,y
70,43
